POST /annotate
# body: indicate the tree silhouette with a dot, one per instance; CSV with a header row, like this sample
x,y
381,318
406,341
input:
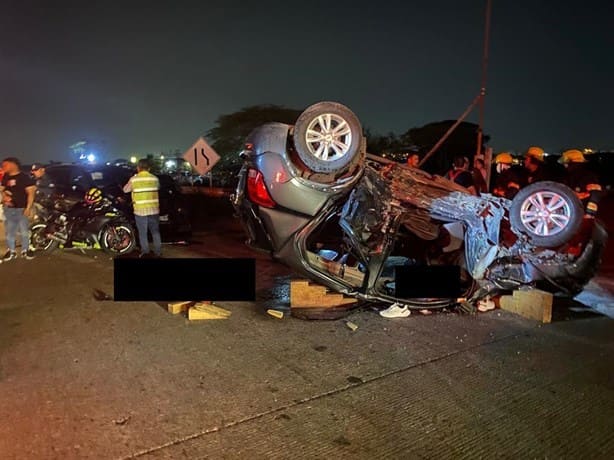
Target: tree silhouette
x,y
228,135
462,141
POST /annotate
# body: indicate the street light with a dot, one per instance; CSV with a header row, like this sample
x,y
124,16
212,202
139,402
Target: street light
x,y
133,160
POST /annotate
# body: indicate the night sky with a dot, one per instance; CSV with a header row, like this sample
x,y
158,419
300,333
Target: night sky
x,y
152,76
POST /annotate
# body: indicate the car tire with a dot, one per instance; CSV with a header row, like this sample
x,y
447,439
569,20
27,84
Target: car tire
x,y
328,137
549,213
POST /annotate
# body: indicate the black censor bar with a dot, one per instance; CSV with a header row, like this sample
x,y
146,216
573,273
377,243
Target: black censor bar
x,y
160,280
429,281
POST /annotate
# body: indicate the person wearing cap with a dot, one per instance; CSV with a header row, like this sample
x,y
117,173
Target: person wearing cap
x,y
37,171
582,180
534,165
508,182
41,199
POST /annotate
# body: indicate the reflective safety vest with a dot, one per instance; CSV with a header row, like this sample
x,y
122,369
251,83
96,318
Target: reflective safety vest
x,y
145,199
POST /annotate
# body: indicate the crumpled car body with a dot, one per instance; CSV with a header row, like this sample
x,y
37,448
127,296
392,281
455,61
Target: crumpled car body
x,y
349,230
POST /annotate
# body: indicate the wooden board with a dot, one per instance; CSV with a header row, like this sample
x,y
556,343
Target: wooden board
x,y
533,304
304,294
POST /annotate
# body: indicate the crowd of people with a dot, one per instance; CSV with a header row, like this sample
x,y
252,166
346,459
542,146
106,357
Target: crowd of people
x,y
19,195
509,177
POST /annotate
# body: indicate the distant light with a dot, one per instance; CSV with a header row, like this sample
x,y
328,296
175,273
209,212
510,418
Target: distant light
x,y
91,158
170,164
108,163
161,157
133,160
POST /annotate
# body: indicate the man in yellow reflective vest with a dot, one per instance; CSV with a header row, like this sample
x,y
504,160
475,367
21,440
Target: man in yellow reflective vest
x,y
144,187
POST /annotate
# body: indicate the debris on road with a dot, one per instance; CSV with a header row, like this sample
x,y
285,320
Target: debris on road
x,y
122,420
352,326
486,304
396,310
530,303
101,295
275,313
205,311
179,307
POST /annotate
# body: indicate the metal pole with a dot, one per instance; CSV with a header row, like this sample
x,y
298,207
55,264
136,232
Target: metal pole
x,y
452,128
484,74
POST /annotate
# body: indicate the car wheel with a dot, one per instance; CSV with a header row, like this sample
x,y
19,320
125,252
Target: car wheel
x,y
328,137
549,213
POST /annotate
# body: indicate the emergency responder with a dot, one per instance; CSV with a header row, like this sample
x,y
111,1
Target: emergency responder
x,y
144,187
508,181
534,165
582,180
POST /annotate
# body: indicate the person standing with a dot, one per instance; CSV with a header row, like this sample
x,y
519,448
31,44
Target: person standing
x,y
479,175
41,199
461,175
18,190
582,180
145,187
508,182
413,160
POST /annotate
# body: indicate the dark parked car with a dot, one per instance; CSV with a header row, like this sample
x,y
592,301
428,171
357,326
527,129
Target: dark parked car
x,y
311,196
73,180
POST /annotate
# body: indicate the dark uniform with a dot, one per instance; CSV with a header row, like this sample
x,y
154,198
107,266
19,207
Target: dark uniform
x,y
586,185
508,183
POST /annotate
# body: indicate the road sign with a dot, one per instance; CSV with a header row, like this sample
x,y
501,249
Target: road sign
x,y
201,156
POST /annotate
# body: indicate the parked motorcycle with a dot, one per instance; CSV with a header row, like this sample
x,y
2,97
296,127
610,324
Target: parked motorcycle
x,y
93,223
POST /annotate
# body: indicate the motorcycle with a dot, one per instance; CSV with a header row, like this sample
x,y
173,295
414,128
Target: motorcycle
x,y
62,223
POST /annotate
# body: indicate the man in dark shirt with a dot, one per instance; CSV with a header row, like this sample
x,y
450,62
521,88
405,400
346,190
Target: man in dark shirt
x,y
461,175
18,191
508,181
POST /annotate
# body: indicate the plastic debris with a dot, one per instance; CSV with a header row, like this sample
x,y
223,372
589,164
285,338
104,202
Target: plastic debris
x,y
352,326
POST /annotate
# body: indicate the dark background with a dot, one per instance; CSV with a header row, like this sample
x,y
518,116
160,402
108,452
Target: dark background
x,y
143,77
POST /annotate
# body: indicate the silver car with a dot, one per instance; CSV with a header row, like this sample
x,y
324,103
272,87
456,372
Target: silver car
x,y
311,196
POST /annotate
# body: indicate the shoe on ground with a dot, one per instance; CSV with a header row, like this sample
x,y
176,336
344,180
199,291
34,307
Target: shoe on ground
x,y
144,255
486,305
10,255
396,310
29,254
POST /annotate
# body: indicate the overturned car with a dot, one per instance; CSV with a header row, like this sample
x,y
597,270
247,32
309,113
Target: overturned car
x,y
311,196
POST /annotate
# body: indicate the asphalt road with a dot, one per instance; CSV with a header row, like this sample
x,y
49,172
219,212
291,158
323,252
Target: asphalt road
x,y
81,378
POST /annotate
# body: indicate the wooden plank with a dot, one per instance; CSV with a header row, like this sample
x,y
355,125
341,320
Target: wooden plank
x,y
533,304
179,307
306,295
